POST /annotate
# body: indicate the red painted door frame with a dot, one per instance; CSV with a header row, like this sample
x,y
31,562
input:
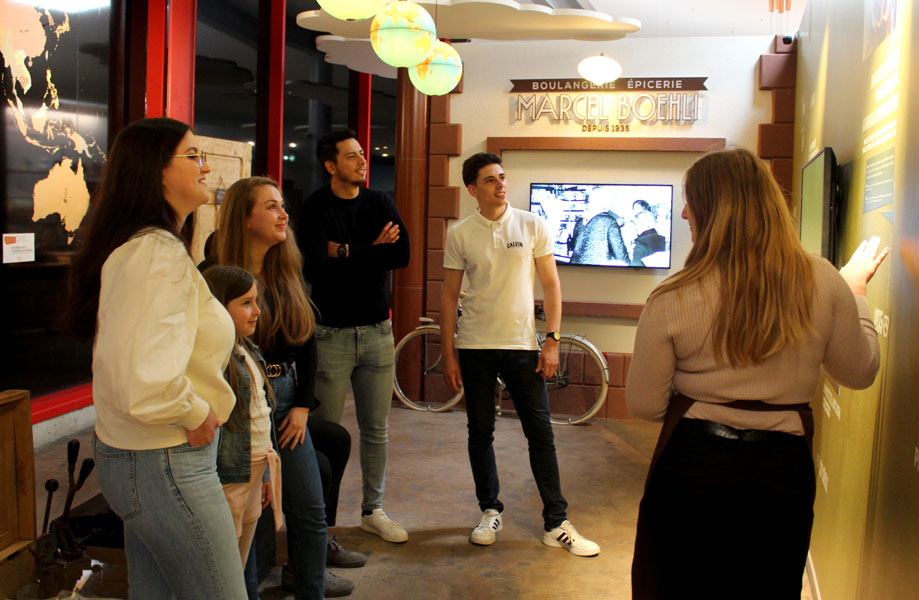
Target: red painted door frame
x,y
180,60
359,89
269,120
171,35
157,11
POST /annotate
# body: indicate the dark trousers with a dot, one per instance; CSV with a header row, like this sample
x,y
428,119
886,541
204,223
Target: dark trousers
x,y
725,518
480,370
333,449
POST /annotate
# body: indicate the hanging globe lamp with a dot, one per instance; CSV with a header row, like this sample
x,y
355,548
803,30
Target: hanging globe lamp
x,y
402,34
352,10
439,72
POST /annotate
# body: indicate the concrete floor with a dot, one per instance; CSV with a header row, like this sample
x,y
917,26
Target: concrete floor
x,y
429,491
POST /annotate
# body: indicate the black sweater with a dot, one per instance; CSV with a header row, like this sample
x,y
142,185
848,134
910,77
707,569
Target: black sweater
x,y
352,291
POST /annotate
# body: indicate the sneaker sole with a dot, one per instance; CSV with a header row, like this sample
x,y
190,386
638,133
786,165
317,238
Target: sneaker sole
x,y
375,531
552,542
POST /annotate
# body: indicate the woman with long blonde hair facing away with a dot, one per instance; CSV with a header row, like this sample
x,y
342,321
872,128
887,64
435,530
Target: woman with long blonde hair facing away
x,y
253,234
728,353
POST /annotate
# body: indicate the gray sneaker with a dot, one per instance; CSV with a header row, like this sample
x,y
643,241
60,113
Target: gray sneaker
x,y
336,587
338,556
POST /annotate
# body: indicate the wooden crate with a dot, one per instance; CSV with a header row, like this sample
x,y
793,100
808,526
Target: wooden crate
x,y
17,473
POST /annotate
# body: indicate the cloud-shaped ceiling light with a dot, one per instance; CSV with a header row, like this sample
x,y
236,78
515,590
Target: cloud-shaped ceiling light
x,y
494,20
439,72
352,10
402,34
599,69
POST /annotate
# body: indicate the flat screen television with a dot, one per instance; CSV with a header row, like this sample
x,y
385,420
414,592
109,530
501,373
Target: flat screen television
x,y
607,224
819,205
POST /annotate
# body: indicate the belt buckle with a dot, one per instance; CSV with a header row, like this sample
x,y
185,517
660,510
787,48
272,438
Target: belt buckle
x,y
273,370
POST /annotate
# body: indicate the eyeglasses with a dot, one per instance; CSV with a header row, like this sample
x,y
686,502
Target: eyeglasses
x,y
201,156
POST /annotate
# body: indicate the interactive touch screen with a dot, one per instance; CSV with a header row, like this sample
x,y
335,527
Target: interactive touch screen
x,y
818,205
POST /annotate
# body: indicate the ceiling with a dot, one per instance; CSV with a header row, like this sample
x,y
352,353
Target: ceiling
x,y
559,19
685,18
587,19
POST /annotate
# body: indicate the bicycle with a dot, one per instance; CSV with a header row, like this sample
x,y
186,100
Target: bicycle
x,y
577,391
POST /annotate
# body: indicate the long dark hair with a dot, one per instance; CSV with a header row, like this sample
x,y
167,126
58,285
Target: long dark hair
x,y
129,199
228,283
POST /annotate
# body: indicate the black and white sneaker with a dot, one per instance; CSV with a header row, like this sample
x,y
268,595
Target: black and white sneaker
x,y
567,537
490,523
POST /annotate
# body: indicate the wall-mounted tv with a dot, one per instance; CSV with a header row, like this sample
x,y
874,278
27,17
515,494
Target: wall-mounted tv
x,y
819,203
607,224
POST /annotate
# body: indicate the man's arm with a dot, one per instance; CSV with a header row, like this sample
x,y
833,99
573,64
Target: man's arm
x,y
390,250
449,300
552,304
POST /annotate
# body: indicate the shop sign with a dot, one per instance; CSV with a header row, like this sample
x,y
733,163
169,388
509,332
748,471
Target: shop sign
x,y
612,107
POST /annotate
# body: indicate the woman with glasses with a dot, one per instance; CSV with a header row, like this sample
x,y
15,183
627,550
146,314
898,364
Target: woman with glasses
x,y
161,344
728,353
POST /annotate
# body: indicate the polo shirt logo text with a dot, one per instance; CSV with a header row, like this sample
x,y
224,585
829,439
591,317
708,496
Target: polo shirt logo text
x,y
515,244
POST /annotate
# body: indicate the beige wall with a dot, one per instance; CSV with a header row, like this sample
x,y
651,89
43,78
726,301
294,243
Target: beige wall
x,y
731,109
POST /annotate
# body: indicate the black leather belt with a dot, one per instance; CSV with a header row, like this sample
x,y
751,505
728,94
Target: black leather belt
x,y
730,433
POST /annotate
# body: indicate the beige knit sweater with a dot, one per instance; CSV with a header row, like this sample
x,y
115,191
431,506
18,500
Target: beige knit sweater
x,y
673,352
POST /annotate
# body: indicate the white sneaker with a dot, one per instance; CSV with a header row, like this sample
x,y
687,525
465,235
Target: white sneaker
x,y
567,537
378,523
489,524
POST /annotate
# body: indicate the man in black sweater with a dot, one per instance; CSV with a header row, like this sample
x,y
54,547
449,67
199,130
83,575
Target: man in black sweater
x,y
351,238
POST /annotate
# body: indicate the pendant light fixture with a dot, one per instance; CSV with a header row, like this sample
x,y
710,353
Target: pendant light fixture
x,y
352,10
402,34
599,69
439,72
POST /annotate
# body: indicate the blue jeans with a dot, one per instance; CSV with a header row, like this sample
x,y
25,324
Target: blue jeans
x,y
362,357
480,370
301,497
179,536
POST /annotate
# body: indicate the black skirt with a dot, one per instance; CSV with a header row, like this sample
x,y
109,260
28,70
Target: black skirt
x,y
723,518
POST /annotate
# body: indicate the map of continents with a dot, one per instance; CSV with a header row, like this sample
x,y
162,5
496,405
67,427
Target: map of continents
x,y
29,38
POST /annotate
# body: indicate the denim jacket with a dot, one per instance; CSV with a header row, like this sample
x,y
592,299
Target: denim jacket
x,y
234,452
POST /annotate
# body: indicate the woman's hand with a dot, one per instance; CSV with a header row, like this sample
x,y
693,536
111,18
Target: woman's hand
x,y
293,427
864,263
204,432
266,494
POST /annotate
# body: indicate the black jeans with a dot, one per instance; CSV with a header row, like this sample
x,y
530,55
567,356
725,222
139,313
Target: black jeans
x,y
333,449
480,370
725,519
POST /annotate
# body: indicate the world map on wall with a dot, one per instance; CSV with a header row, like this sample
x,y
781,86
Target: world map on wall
x,y
29,40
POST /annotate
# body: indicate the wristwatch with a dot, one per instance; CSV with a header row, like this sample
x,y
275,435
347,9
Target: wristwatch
x,y
553,335
342,250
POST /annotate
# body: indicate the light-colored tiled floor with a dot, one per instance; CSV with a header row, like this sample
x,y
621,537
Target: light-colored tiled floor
x,y
430,492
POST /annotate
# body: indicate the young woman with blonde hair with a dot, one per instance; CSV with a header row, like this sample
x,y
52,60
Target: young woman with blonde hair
x,y
253,233
728,353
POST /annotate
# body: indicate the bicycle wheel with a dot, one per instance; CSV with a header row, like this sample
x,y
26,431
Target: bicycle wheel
x,y
578,389
417,379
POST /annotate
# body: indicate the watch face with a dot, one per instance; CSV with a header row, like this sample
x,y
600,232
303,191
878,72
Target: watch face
x,y
341,250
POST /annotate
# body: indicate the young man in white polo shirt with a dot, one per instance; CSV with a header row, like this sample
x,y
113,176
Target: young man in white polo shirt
x,y
498,248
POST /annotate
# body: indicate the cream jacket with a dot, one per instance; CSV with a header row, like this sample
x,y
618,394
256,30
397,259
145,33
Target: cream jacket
x,y
162,343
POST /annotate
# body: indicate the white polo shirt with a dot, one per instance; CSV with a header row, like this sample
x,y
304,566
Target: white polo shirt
x,y
499,260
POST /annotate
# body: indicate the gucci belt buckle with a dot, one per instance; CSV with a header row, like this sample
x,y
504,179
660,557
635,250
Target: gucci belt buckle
x,y
273,370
